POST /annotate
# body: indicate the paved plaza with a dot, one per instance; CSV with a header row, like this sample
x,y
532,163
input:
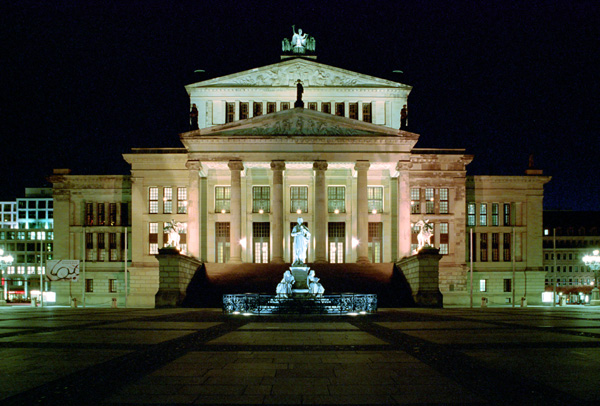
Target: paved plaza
x,y
99,356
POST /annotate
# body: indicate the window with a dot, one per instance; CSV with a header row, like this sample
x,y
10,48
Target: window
x,y
483,285
366,108
260,236
507,247
336,199
337,237
101,214
483,214
299,199
507,285
326,108
444,238
340,109
89,247
415,201
89,214
483,241
495,209
507,214
261,199
222,199
89,285
257,109
112,246
271,107
168,200
375,242
429,201
101,247
112,286
444,205
312,106
229,112
222,242
112,214
153,199
181,200
375,196
153,238
353,111
495,247
285,106
244,110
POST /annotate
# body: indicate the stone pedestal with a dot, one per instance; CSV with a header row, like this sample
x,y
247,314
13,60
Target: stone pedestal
x,y
595,297
175,273
422,273
300,274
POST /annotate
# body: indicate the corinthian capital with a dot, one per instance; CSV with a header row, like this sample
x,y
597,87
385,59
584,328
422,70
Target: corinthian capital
x,y
236,165
320,165
278,165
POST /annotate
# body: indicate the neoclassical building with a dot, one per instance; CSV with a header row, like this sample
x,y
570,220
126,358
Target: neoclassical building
x,y
256,163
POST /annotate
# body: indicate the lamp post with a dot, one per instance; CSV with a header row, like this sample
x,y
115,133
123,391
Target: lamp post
x,y
5,260
593,261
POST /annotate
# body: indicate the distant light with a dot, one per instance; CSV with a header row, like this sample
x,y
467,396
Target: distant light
x,y
199,71
243,242
374,211
353,314
261,211
337,211
355,242
246,314
299,211
223,211
397,71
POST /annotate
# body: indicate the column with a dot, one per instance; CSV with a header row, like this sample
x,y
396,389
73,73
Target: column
x,y
193,230
320,231
362,215
235,231
404,232
277,212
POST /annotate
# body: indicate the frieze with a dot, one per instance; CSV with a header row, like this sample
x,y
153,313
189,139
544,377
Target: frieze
x,y
300,126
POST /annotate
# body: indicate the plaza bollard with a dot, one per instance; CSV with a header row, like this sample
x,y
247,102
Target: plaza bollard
x,y
114,303
563,301
523,302
74,302
484,302
33,302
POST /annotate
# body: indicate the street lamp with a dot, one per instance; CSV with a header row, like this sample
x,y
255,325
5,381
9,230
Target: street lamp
x,y
593,261
5,260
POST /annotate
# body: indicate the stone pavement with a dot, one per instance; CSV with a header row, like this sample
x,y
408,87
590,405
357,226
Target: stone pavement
x,y
113,357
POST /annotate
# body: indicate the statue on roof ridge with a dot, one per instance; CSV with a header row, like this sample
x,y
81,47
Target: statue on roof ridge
x,y
300,43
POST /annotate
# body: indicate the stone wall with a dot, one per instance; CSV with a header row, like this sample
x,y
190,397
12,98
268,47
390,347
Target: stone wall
x,y
175,273
422,273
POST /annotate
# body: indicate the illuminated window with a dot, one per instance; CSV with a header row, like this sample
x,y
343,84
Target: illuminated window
x,y
222,199
495,210
336,199
223,247
271,107
507,221
366,108
229,112
181,200
444,206
353,111
153,200
415,201
299,199
153,238
429,201
375,242
312,106
257,109
337,237
261,199
444,238
285,106
375,199
326,108
244,110
483,285
260,237
483,214
340,109
168,200
471,214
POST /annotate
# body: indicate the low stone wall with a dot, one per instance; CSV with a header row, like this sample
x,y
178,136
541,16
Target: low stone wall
x,y
175,273
422,274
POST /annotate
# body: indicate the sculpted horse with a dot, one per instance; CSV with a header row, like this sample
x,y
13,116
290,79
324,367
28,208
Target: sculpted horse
x,y
425,233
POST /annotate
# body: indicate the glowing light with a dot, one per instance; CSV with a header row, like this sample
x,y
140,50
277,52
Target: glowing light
x,y
352,314
547,297
236,312
261,211
246,314
337,211
431,200
243,242
363,312
374,211
223,211
299,211
355,242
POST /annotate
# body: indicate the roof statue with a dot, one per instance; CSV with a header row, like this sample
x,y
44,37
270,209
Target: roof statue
x,y
300,43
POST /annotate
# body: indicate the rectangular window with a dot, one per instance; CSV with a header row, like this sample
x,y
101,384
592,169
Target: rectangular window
x,y
312,106
153,200
261,199
271,107
181,200
353,111
336,199
429,201
124,214
153,238
89,285
257,109
415,200
375,242
112,246
101,247
326,108
89,247
89,214
483,247
507,285
299,199
112,214
483,214
375,199
340,109
471,214
483,285
444,203
112,286
507,247
229,112
285,106
222,199
260,236
495,247
507,221
101,214
244,110
337,236
223,247
495,210
444,238
367,117
168,200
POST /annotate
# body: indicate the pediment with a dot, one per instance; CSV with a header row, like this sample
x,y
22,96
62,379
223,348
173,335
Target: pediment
x,y
288,72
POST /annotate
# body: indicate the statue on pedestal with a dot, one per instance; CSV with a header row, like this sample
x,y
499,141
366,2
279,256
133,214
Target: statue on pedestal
x,y
300,42
314,287
284,288
173,228
301,238
425,233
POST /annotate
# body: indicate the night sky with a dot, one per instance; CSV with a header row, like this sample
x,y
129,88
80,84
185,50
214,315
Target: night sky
x,y
83,82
